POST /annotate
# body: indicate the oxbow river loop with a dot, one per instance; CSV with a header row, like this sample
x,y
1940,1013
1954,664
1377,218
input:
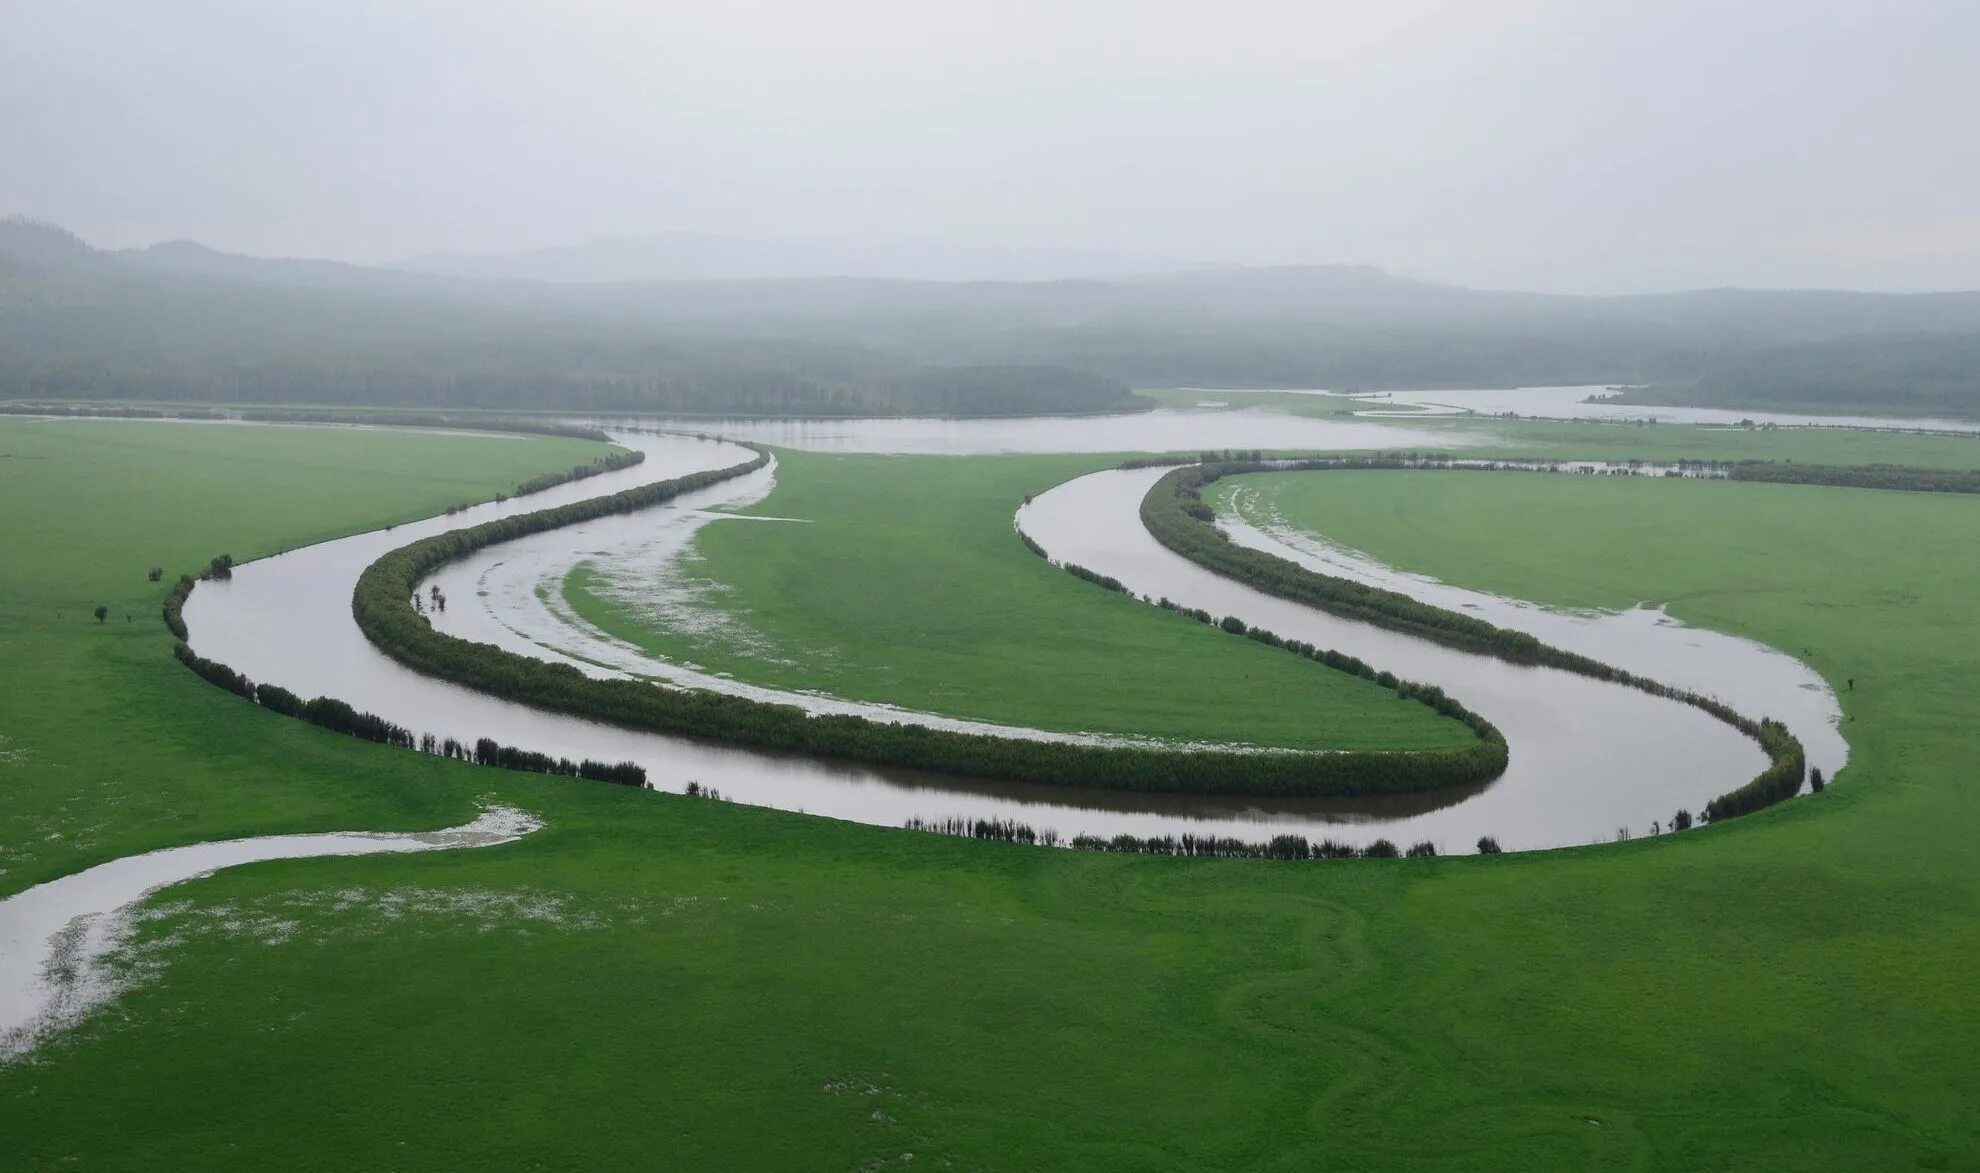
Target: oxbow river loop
x,y
1587,757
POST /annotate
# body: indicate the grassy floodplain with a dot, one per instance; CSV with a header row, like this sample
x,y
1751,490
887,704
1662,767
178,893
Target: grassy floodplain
x,y
899,579
120,761
657,979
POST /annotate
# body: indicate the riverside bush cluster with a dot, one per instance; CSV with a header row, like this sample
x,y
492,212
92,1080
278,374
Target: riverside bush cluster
x,y
1494,742
339,717
1173,510
1868,476
604,464
1285,847
381,419
382,606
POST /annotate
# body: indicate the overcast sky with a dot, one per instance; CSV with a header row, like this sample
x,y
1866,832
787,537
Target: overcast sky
x,y
1544,144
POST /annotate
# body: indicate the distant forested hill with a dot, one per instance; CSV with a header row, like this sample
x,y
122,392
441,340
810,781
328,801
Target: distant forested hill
x,y
1906,374
183,322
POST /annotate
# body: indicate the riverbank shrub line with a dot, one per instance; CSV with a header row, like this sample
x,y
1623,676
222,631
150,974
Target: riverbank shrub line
x,y
1173,516
1901,477
1172,513
1427,694
1279,847
382,607
340,717
269,415
612,462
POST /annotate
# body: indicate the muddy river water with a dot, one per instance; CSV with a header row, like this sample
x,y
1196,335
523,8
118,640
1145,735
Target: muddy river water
x,y
1587,757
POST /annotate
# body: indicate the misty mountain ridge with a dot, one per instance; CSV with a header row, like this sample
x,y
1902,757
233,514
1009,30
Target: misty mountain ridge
x,y
181,320
702,256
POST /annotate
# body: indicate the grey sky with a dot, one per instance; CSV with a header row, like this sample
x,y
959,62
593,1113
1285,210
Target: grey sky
x,y
1551,144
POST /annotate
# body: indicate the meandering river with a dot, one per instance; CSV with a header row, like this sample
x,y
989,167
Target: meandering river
x,y
1588,758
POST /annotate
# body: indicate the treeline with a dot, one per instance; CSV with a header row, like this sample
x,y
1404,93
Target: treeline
x,y
1494,742
1866,476
112,411
611,462
340,717
1426,694
276,415
422,419
489,752
1283,847
381,605
1780,781
1176,515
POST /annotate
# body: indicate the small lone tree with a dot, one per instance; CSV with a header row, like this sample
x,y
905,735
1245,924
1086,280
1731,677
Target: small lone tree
x,y
1488,845
101,613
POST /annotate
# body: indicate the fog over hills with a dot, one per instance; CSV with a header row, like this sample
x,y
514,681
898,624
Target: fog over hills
x,y
548,330
699,256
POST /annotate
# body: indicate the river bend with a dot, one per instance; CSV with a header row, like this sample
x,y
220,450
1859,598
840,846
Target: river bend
x,y
1588,757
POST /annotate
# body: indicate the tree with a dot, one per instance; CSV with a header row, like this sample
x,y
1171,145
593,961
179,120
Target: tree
x,y
101,613
1488,845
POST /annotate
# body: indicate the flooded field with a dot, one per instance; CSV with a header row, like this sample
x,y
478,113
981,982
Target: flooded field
x,y
56,937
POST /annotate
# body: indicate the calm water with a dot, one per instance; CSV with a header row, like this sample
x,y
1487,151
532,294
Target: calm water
x,y
1147,431
1587,757
1572,403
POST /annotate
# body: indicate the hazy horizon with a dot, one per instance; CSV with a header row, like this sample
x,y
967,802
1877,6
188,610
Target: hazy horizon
x,y
1535,145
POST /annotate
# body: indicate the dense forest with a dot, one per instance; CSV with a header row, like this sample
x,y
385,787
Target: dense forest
x,y
179,322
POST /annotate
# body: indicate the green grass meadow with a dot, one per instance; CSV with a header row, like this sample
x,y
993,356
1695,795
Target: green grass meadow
x,y
899,579
657,982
